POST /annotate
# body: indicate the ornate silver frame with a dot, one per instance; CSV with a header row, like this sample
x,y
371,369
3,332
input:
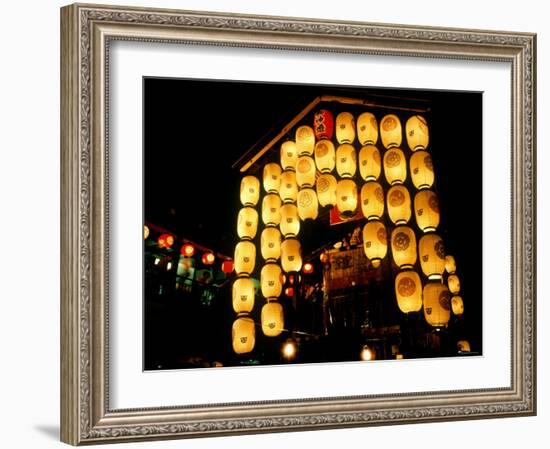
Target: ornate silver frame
x,y
86,32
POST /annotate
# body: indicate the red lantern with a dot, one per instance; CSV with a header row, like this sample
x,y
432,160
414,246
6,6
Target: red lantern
x,y
308,268
227,266
208,258
187,250
165,241
289,291
323,258
323,124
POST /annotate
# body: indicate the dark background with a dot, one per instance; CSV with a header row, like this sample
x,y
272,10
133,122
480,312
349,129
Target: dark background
x,y
194,131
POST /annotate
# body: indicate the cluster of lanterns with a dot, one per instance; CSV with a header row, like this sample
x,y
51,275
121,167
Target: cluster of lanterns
x,y
316,171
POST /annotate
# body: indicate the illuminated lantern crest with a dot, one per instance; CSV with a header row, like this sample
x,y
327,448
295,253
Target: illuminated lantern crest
x,y
403,245
243,295
243,335
288,190
272,177
270,280
326,190
408,291
291,255
323,124
426,210
307,204
417,132
346,161
370,163
346,197
431,251
273,319
345,127
289,155
367,129
395,166
250,191
245,258
270,243
437,304
290,220
271,209
305,171
457,305
325,156
390,131
422,170
399,204
305,140
247,223
375,242
372,200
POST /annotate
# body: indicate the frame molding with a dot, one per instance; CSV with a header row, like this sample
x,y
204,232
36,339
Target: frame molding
x,y
86,31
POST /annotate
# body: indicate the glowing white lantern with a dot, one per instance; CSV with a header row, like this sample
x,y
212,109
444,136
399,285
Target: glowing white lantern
x,y
271,209
403,246
437,304
272,177
305,140
290,220
289,155
245,258
243,335
326,190
305,171
346,197
390,131
395,166
431,251
273,319
270,243
250,191
399,204
418,134
243,295
426,210
288,191
325,156
291,255
408,291
367,129
422,170
370,163
372,200
453,282
346,161
375,242
308,206
247,223
270,280
345,127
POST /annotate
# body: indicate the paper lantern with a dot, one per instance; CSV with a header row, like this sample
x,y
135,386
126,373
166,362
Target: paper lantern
x,y
273,319
250,191
243,335
426,210
146,232
270,280
270,243
399,204
367,129
291,255
403,246
289,155
450,264
367,354
247,223
305,171
243,295
375,242
305,140
289,349
245,258
345,127
272,177
457,305
326,190
308,207
289,292
187,250
370,163
417,133
308,268
227,266
463,346
372,200
408,291
346,161
288,191
271,209
390,131
290,220
453,282
325,156
346,197
208,258
437,304
323,257
422,170
431,251
395,166
323,124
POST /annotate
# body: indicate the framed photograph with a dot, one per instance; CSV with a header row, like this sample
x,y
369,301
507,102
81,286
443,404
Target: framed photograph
x,y
280,224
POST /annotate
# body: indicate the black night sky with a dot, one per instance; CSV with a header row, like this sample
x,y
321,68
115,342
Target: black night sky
x,y
194,132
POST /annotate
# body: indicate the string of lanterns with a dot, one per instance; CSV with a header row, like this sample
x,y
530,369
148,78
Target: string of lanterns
x,y
304,180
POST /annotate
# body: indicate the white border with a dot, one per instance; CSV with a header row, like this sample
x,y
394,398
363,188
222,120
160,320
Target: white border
x,y
132,388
